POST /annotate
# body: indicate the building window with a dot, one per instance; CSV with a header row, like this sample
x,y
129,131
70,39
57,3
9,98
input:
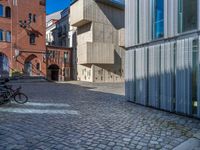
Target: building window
x,y
66,57
8,36
43,2
53,54
1,35
158,19
187,15
30,17
8,12
1,10
32,38
138,21
34,18
38,66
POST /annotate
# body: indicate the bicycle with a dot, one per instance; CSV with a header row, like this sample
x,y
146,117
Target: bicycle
x,y
7,94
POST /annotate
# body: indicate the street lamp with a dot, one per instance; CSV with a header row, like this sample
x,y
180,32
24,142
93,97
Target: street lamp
x,y
25,24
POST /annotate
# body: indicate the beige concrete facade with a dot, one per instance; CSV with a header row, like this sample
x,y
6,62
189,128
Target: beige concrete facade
x,y
100,40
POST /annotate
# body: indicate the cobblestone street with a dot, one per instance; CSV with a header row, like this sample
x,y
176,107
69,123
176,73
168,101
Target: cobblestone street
x,y
77,115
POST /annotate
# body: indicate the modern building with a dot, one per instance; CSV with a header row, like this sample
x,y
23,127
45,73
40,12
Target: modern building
x,y
22,37
100,52
51,21
163,54
59,63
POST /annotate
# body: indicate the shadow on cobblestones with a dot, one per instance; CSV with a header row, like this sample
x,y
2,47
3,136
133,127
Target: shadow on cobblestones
x,y
103,120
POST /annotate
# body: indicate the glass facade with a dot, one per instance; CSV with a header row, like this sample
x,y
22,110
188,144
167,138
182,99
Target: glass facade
x,y
118,1
164,73
187,15
158,19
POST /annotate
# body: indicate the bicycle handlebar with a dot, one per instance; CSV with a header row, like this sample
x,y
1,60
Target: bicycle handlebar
x,y
5,81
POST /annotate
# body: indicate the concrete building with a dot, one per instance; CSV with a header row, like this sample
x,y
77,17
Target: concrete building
x,y
100,52
51,21
162,58
22,37
72,35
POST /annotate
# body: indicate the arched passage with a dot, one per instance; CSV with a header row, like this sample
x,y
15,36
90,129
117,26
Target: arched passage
x,y
4,65
53,72
29,65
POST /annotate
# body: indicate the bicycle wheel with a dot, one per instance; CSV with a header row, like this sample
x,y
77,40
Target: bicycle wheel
x,y
21,98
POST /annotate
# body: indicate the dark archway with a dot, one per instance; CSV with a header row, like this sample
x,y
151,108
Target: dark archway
x,y
4,65
53,72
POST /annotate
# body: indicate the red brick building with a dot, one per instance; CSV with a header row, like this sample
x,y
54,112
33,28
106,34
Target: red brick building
x,y
59,63
22,37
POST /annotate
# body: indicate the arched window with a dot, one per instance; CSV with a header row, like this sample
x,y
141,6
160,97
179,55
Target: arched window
x,y
4,65
30,17
1,35
34,18
32,38
8,36
1,10
8,12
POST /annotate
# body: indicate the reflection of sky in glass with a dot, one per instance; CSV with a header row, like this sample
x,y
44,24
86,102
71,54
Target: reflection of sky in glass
x,y
159,18
1,10
118,1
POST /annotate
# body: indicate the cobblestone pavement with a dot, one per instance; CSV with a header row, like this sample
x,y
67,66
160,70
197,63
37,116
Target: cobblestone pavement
x,y
78,115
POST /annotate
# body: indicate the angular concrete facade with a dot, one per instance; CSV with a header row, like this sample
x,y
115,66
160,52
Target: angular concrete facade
x,y
100,52
163,72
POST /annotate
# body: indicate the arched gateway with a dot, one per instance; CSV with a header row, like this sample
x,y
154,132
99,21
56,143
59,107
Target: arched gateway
x,y
53,72
4,65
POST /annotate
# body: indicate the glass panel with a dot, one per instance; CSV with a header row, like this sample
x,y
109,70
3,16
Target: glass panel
x,y
1,10
158,19
138,21
1,35
8,36
187,15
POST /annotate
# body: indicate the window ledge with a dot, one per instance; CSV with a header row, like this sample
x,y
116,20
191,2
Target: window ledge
x,y
5,42
187,32
32,44
5,17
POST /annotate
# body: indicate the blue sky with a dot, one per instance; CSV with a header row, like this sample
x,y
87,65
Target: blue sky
x,y
55,5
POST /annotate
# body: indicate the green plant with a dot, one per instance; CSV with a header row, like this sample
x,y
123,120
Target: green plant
x,y
16,73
